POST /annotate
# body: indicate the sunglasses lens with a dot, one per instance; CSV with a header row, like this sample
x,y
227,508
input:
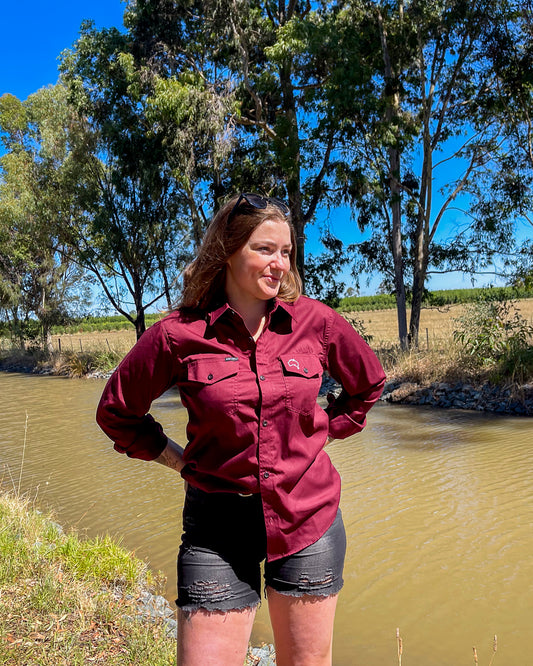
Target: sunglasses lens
x,y
281,205
255,200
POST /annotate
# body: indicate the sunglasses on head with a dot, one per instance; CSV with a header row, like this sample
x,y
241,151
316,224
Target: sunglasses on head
x,y
257,201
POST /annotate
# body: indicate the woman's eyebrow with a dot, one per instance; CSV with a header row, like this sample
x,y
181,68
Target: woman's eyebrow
x,y
269,242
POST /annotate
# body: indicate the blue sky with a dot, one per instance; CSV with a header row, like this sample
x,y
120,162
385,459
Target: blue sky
x,y
35,33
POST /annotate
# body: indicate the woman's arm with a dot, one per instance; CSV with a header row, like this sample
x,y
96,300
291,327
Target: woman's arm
x,y
172,456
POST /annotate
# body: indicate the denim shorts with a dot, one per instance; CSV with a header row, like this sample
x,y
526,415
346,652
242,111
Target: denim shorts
x,y
224,543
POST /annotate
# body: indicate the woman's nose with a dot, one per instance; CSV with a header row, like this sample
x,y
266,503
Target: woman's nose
x,y
279,260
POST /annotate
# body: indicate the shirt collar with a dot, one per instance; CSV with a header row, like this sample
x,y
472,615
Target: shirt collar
x,y
274,305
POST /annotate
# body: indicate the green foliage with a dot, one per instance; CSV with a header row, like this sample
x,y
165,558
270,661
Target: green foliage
x,y
494,332
39,282
322,270
438,298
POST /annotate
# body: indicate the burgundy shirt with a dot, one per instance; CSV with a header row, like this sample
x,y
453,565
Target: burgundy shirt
x,y
254,422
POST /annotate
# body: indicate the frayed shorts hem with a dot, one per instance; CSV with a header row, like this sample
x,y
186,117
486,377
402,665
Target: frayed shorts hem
x,y
217,608
332,591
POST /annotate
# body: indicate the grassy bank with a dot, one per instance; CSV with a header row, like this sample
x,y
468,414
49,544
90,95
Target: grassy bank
x,y
68,601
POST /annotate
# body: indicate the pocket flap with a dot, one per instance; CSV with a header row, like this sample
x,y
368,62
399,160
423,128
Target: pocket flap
x,y
212,369
304,365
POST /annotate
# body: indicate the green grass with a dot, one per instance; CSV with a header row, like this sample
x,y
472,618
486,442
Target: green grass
x,y
67,600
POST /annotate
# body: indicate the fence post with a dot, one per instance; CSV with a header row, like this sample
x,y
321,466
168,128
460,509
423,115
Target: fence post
x,y
59,345
427,338
81,348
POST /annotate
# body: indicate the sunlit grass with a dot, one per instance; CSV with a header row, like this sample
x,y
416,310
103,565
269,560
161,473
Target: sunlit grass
x,y
67,600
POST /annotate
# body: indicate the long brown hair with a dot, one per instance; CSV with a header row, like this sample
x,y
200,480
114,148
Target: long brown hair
x,y
204,278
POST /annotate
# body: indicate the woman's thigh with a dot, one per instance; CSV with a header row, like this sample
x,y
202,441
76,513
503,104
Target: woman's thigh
x,y
302,592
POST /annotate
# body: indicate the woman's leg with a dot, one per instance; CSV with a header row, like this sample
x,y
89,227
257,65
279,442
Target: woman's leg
x,y
303,628
207,638
302,591
219,578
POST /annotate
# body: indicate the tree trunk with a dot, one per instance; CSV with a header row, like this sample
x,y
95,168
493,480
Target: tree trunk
x,y
391,115
294,188
140,324
421,241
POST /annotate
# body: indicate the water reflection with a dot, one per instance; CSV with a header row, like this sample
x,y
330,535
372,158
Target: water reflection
x,y
438,507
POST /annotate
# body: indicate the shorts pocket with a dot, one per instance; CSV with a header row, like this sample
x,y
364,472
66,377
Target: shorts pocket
x,y
302,374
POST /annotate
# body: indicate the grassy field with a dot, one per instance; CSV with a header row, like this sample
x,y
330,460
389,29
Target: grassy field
x,y
436,324
438,358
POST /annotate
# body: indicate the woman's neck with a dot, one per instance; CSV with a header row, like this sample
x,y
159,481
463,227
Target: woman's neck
x,y
253,315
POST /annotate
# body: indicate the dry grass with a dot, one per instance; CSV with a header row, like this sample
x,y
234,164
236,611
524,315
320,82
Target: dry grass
x,y
436,324
113,341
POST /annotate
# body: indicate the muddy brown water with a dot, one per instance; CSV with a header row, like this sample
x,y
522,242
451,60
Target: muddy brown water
x,y
438,507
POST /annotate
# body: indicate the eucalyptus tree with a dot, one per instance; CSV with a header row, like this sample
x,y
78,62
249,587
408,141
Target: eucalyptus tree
x,y
505,195
191,106
131,221
39,281
420,115
285,133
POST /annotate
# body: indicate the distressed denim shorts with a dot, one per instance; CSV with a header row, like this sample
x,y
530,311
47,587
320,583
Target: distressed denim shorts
x,y
224,543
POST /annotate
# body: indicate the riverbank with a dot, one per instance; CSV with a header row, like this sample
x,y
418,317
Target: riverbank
x,y
408,384
513,400
68,601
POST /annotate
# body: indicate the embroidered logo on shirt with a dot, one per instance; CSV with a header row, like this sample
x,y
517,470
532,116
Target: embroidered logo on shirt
x,y
231,358
293,363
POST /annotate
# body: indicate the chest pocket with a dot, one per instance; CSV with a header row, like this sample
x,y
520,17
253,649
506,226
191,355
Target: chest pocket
x,y
212,380
302,374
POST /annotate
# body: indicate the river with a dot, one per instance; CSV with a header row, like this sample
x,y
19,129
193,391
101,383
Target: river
x,y
438,507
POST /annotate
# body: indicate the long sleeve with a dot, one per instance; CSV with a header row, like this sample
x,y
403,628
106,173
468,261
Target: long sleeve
x,y
146,372
352,363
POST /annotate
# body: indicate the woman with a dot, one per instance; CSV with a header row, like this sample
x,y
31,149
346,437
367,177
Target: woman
x,y
247,353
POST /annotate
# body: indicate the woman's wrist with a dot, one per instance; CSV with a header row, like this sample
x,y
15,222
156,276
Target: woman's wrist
x,y
171,456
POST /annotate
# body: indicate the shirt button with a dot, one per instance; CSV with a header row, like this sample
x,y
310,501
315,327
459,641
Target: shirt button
x,y
262,378
265,475
265,422
306,370
209,376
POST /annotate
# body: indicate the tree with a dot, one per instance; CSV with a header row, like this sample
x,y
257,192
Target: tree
x,y
132,235
157,135
430,76
39,282
505,195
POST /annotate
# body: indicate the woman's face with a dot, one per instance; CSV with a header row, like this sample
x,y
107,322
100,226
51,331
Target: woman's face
x,y
255,271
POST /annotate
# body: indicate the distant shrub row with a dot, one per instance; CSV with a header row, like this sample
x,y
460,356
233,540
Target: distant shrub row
x,y
434,298
95,324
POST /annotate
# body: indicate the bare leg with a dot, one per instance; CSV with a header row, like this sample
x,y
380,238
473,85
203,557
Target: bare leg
x,y
303,628
212,638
